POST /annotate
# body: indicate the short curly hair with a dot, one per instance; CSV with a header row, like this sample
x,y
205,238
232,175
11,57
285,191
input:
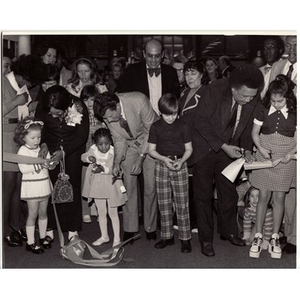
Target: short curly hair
x,y
24,126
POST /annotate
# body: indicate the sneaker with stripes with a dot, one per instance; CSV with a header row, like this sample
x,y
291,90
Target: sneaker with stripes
x,y
274,246
256,246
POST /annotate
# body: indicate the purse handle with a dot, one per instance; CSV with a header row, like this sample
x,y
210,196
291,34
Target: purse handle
x,y
62,162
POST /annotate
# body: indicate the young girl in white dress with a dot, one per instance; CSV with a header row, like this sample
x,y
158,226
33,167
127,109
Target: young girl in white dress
x,y
36,186
99,185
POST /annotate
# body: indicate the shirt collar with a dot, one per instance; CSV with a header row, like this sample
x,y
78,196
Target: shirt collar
x,y
122,110
284,111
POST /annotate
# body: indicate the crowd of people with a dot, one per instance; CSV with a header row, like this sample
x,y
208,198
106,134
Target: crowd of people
x,y
131,142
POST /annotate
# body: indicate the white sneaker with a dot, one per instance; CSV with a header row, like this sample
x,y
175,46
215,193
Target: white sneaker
x,y
194,230
100,241
274,246
175,227
256,246
86,219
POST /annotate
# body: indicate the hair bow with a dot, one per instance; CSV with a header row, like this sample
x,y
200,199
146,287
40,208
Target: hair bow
x,y
30,122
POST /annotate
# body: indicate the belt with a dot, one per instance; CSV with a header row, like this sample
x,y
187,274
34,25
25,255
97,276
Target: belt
x,y
175,157
10,120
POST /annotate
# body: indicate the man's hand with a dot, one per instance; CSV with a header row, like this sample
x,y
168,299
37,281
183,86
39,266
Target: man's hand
x,y
137,166
232,151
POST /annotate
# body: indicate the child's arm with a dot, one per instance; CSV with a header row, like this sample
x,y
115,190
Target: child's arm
x,y
166,160
88,157
188,152
255,136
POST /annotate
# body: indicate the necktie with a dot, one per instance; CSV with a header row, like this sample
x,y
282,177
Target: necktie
x,y
231,122
290,71
124,125
155,71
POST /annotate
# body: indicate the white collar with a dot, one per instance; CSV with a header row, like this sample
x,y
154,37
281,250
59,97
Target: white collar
x,y
122,109
284,111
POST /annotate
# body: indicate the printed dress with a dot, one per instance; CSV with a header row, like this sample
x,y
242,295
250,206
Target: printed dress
x,y
36,184
277,135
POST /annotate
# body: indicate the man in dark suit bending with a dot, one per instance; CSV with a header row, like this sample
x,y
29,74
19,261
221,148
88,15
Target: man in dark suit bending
x,y
223,123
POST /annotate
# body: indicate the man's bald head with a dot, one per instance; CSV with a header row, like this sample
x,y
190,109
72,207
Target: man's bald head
x,y
153,53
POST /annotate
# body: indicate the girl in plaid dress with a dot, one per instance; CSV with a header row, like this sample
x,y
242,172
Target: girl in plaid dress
x,y
274,135
170,144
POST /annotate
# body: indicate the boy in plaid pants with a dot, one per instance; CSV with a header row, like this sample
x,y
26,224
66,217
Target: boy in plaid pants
x,y
170,144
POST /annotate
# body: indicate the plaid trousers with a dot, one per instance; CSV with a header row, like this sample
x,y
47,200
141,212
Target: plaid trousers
x,y
173,186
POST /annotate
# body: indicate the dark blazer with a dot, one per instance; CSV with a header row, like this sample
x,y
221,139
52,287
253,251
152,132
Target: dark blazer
x,y
135,79
187,112
212,116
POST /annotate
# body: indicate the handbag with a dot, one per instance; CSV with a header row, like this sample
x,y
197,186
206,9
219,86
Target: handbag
x,y
62,190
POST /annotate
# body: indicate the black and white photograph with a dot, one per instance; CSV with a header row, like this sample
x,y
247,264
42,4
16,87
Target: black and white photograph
x,y
149,151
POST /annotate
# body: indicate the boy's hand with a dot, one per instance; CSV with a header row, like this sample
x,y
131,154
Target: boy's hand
x,y
169,163
178,165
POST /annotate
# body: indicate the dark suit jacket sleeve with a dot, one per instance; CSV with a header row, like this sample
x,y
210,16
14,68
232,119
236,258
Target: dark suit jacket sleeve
x,y
128,81
170,82
204,116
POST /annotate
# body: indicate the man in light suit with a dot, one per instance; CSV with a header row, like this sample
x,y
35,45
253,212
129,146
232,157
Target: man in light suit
x,y
223,121
131,153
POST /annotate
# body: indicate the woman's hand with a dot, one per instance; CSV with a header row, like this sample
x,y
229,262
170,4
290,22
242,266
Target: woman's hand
x,y
20,99
267,154
288,158
57,156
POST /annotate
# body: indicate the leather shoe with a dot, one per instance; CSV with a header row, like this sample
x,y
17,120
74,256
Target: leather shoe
x,y
234,240
12,243
186,247
151,235
22,234
164,243
46,242
283,240
207,249
289,248
34,248
127,236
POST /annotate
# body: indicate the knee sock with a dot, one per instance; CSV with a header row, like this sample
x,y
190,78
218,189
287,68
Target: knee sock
x,y
113,214
30,234
42,223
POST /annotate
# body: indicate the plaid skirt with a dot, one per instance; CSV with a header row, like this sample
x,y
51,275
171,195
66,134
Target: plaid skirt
x,y
281,177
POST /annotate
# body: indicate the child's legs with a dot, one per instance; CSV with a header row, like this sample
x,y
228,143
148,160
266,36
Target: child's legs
x,y
115,222
102,212
164,195
180,187
278,209
262,205
33,209
43,220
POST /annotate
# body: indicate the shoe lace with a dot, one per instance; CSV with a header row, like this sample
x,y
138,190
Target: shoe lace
x,y
275,242
257,241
